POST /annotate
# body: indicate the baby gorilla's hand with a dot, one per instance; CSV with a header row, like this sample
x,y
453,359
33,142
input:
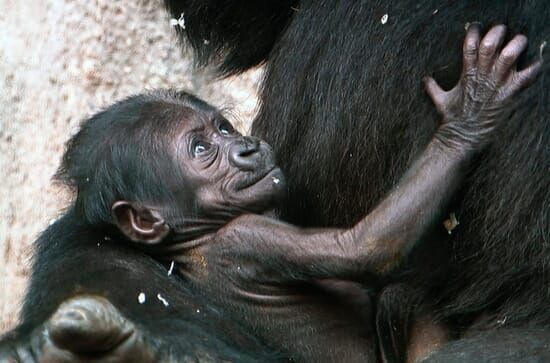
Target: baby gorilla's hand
x,y
489,80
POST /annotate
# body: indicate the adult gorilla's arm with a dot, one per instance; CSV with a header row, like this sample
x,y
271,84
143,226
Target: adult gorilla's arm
x,y
234,35
471,112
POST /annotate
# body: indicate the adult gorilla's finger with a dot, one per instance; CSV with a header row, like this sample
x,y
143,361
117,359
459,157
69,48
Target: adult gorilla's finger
x,y
436,93
470,48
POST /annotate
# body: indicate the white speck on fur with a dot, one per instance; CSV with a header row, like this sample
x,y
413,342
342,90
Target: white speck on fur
x,y
276,180
180,21
451,223
435,11
141,298
171,269
163,300
384,19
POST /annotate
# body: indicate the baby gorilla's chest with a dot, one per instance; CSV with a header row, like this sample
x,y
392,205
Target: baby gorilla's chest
x,y
300,320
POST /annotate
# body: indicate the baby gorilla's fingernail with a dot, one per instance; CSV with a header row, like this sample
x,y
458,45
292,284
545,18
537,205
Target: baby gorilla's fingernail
x,y
73,314
473,23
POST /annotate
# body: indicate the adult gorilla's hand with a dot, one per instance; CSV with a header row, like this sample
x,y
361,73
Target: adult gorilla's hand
x,y
83,329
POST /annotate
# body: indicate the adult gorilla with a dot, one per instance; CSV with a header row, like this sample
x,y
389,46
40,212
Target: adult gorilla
x,y
331,111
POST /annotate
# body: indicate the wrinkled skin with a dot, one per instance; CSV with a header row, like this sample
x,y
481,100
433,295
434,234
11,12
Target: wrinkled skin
x,y
261,271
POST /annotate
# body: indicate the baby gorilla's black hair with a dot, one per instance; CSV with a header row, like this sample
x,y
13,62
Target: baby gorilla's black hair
x,y
123,153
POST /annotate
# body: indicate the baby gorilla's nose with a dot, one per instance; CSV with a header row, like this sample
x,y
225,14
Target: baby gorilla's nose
x,y
245,154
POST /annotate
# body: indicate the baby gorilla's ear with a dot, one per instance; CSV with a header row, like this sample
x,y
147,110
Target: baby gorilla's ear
x,y
138,223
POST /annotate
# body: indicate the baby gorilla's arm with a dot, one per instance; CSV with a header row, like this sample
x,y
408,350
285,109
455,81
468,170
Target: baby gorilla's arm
x,y
471,112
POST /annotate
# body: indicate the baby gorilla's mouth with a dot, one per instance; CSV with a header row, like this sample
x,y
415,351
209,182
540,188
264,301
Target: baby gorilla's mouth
x,y
273,173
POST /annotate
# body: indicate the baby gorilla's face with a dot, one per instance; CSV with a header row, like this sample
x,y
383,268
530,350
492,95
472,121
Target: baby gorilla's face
x,y
232,174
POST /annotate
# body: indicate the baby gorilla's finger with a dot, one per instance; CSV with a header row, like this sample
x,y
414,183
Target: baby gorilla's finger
x,y
435,92
490,43
524,78
509,56
470,48
88,324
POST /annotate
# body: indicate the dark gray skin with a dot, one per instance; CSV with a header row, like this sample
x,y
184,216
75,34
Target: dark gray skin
x,y
260,270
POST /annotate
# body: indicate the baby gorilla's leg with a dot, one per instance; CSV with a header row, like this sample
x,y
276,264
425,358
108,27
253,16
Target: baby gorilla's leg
x,y
406,329
83,329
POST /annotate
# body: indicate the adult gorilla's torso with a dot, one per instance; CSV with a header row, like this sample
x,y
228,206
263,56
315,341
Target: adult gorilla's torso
x,y
344,108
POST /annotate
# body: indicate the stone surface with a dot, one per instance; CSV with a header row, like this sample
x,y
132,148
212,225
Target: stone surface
x,y
61,61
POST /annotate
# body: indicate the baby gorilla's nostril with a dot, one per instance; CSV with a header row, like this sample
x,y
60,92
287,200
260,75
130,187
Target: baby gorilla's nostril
x,y
251,144
245,154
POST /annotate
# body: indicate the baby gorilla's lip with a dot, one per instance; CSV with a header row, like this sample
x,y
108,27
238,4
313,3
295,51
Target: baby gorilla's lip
x,y
271,172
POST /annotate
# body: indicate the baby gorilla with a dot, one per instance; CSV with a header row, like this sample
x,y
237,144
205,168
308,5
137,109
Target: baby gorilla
x,y
167,173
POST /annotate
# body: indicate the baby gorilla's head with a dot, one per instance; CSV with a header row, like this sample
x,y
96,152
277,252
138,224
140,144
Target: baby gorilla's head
x,y
167,163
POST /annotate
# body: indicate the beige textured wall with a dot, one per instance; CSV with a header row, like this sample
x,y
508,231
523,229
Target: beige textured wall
x,y
60,61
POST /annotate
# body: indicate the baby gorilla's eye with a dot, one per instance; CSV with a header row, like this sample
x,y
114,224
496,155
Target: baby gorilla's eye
x,y
226,128
200,147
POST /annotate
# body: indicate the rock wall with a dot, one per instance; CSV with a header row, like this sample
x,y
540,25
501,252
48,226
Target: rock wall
x,y
61,61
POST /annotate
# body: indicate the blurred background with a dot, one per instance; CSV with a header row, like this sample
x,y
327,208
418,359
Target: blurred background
x,y
61,61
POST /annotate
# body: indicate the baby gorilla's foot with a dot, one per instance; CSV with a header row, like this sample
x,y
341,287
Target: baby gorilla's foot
x,y
88,324
89,328
83,329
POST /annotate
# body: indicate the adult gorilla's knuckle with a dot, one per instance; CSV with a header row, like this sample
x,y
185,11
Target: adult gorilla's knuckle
x,y
518,82
487,47
507,56
503,66
471,47
470,52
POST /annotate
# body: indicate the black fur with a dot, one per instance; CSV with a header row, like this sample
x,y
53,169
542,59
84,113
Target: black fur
x,y
242,38
504,346
343,107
